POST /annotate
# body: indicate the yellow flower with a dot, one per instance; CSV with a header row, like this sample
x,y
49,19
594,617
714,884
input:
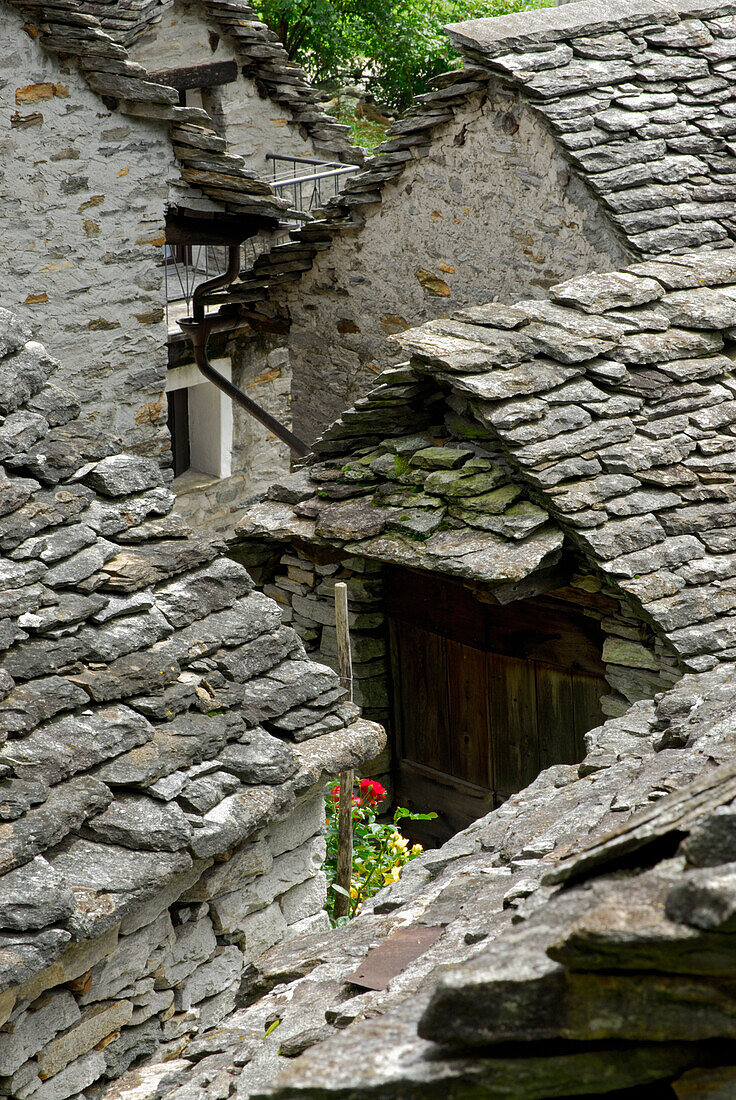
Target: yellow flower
x,y
417,849
392,875
400,841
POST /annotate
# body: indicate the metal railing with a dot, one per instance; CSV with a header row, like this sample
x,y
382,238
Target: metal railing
x,y
307,190
186,266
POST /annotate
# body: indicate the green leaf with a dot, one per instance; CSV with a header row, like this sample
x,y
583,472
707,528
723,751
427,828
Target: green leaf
x,y
272,1028
401,812
339,889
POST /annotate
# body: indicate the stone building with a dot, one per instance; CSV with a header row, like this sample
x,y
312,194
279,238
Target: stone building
x,y
573,139
535,517
264,104
578,940
163,745
124,192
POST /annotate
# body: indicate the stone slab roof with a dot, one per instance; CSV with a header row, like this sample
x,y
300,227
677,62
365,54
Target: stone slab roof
x,y
392,482
610,405
262,55
641,97
560,970
206,168
153,709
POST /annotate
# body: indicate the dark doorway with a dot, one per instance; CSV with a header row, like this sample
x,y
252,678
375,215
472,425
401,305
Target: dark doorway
x,y
485,697
178,421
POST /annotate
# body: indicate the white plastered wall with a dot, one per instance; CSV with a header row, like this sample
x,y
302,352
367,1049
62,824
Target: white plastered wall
x,y
210,418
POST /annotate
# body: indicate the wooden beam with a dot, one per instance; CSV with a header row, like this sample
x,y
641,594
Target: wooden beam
x,y
344,875
197,76
225,229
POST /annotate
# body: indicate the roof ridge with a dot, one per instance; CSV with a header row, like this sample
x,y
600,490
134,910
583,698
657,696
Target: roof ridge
x,y
505,33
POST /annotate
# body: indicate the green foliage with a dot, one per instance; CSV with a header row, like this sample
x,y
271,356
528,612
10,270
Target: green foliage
x,y
393,46
363,131
379,849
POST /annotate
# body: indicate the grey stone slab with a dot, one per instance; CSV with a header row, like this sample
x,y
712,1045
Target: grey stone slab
x,y
69,745
34,896
660,347
62,809
137,821
34,1029
187,739
150,670
27,953
204,591
262,654
28,705
122,475
597,293
238,817
258,757
111,882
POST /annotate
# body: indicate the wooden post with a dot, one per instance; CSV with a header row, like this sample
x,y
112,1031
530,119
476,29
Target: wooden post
x,y
345,821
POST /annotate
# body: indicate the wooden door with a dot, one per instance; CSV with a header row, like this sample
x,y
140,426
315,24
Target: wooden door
x,y
485,697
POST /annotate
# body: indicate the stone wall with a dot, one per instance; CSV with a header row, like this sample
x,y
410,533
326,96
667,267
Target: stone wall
x,y
169,970
81,214
155,835
252,123
261,368
491,211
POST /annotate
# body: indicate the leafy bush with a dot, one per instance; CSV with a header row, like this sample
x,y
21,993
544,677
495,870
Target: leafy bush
x,y
379,849
394,47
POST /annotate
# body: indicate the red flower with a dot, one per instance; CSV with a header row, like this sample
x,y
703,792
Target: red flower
x,y
372,792
335,796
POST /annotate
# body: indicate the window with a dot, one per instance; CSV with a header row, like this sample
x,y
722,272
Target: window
x,y
200,421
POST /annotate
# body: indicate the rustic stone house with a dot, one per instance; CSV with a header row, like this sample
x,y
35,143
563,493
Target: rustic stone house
x,y
163,746
573,139
578,941
579,938
124,192
536,518
263,104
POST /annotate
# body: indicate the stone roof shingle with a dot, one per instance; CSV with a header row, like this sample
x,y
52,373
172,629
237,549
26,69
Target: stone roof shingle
x,y
610,405
154,711
204,163
620,978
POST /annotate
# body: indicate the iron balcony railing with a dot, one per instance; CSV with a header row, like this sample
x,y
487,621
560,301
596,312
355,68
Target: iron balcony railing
x,y
307,190
186,266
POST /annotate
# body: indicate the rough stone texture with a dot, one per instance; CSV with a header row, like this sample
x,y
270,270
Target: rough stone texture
x,y
563,917
146,733
486,148
119,154
591,138
624,463
272,109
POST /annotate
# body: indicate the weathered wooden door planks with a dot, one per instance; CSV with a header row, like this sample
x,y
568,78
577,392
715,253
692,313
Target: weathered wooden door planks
x,y
486,698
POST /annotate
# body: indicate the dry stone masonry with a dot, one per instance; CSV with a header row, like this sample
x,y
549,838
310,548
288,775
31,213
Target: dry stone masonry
x,y
586,945
99,153
572,140
596,423
163,742
168,30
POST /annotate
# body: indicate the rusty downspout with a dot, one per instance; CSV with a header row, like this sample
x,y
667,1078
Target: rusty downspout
x,y
199,328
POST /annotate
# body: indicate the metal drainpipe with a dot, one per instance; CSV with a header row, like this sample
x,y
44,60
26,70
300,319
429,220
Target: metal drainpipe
x,y
199,328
